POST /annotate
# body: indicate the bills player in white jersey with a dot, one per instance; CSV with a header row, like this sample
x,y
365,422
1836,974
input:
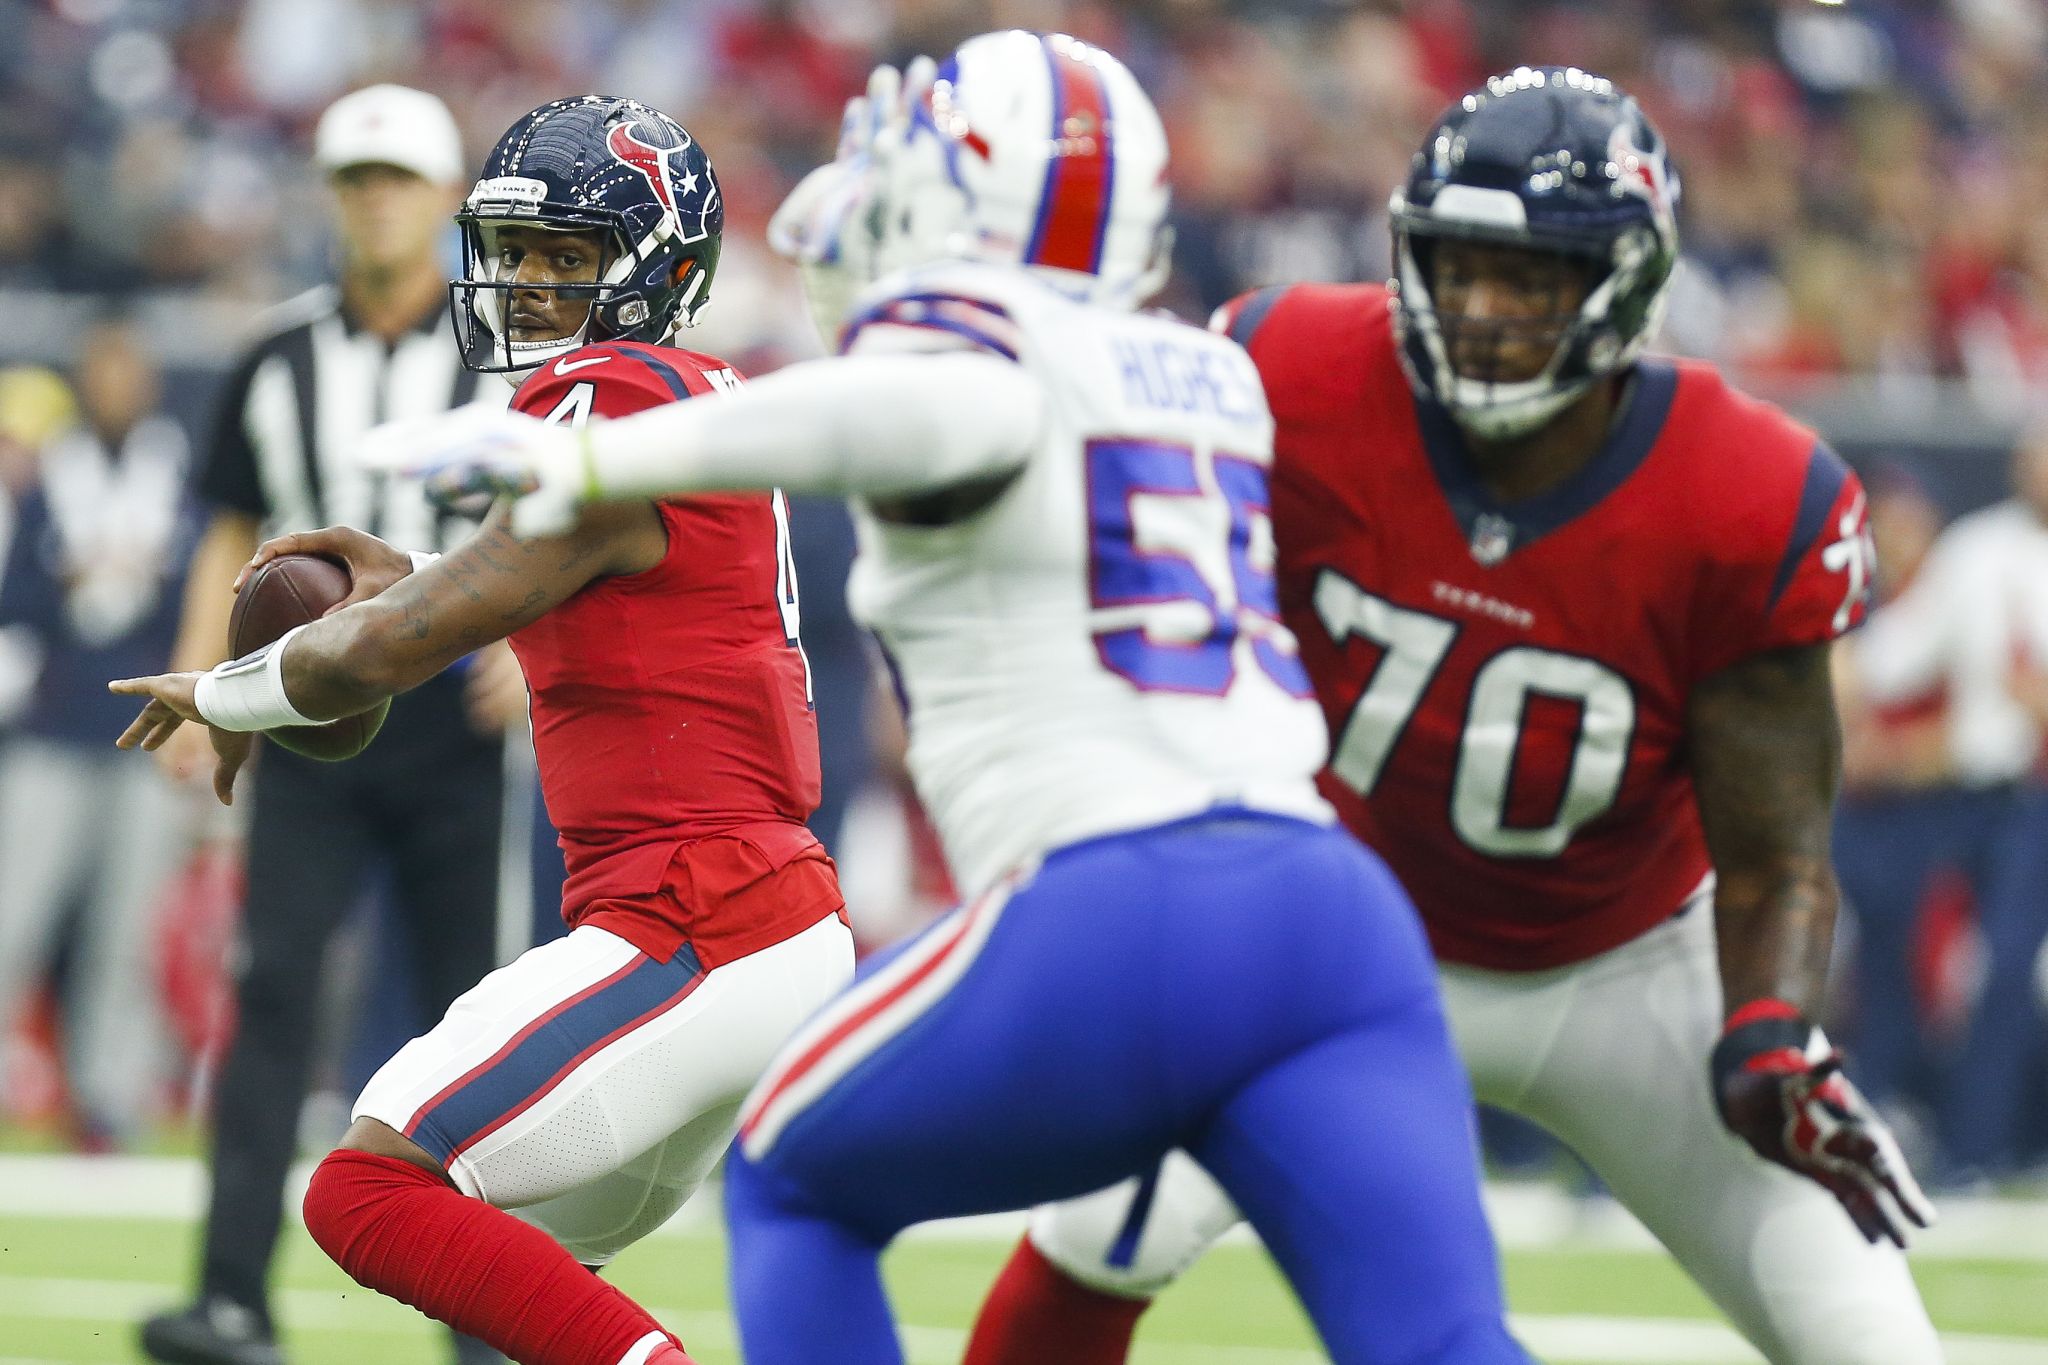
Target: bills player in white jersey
x,y
1062,506
1608,792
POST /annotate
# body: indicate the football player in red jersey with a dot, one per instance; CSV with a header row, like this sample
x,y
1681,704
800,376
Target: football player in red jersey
x,y
593,1082
1568,613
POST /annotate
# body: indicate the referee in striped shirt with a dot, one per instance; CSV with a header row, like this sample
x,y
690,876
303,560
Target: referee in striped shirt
x,y
425,801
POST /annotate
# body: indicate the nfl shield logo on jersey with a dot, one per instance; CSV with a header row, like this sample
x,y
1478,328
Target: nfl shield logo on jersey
x,y
1492,537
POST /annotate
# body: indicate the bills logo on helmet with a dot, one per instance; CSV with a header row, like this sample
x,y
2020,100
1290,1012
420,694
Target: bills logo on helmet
x,y
947,118
651,162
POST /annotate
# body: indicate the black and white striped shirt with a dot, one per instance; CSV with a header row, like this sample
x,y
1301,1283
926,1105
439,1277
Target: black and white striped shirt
x,y
292,415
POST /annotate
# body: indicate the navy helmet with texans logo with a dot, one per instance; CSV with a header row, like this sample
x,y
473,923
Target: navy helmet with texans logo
x,y
1550,159
618,170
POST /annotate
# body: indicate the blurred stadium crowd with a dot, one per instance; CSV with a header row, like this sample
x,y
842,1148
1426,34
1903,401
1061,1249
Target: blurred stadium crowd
x,y
1863,240
1859,176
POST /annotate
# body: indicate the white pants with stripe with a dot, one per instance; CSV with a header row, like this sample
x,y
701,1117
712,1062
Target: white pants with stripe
x,y
1609,1055
593,1089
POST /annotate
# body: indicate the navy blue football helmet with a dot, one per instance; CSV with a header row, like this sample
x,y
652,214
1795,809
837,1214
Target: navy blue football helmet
x,y
1550,159
619,170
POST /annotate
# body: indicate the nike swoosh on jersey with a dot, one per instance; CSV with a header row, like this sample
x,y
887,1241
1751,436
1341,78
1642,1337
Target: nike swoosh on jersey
x,y
564,365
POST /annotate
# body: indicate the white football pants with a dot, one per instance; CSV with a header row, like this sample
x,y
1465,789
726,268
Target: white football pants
x,y
603,1140
1609,1055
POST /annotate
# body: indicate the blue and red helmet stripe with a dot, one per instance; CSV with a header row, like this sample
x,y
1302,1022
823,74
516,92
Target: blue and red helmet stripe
x,y
1080,175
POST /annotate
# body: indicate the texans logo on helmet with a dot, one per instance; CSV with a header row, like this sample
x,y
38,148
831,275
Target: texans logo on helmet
x,y
1639,172
651,162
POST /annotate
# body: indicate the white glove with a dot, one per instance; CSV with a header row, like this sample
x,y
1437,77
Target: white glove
x,y
542,468
830,225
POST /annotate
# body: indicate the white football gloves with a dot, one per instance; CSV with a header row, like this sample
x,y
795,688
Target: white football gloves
x,y
830,225
477,453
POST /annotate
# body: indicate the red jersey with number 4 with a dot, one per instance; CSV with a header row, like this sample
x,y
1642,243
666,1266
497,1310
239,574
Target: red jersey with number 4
x,y
1506,685
671,708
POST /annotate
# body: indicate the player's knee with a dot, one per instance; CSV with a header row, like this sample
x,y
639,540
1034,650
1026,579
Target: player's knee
x,y
378,1138
325,1206
1085,1265
350,1189
1818,1294
1131,1241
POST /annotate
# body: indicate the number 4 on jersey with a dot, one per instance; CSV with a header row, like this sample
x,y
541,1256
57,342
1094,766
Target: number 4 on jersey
x,y
574,411
1414,646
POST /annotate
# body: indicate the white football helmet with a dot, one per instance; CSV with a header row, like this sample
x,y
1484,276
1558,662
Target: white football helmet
x,y
1021,148
1039,150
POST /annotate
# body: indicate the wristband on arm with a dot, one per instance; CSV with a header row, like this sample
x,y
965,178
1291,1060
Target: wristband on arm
x,y
248,693
1780,1087
1765,1035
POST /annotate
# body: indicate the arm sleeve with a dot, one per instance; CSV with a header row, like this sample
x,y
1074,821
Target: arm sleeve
x,y
227,477
880,425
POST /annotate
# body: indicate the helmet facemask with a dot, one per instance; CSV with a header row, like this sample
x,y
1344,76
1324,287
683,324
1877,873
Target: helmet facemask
x,y
1549,160
1589,342
482,301
616,302
622,174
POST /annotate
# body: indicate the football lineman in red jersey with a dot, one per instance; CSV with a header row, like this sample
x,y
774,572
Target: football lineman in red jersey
x,y
595,1081
1568,611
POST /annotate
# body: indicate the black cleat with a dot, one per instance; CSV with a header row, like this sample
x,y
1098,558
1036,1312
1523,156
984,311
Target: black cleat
x,y
213,1331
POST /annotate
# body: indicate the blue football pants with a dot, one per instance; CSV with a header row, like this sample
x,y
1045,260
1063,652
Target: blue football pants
x,y
1251,988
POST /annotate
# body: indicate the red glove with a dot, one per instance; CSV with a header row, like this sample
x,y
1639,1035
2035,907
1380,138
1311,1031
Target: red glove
x,y
1780,1088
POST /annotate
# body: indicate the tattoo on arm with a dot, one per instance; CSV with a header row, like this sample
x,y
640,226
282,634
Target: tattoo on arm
x,y
1765,753
523,612
485,589
462,576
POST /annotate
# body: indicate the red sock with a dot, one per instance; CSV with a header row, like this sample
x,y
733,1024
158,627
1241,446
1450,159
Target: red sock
x,y
401,1230
1036,1312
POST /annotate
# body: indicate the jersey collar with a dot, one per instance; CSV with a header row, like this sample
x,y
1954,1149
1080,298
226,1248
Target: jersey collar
x,y
1495,530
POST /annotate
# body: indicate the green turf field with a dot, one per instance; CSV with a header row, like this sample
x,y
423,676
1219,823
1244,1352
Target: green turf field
x,y
72,1287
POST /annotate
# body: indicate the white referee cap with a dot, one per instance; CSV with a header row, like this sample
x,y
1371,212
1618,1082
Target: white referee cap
x,y
391,125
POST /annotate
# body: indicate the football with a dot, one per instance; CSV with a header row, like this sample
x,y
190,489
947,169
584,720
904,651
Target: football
x,y
289,591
